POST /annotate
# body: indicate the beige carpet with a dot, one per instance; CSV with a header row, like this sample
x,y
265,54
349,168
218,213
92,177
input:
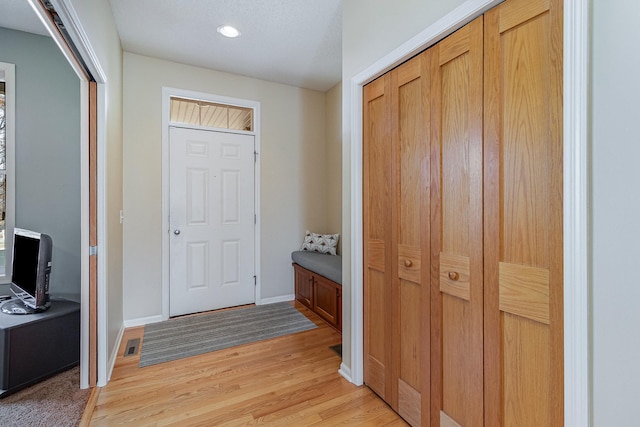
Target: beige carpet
x,y
57,401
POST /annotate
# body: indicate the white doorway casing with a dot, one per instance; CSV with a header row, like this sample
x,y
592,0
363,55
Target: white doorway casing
x,y
167,94
68,15
577,368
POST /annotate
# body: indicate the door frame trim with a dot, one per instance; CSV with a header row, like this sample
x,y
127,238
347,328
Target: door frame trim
x,y
86,52
577,237
167,93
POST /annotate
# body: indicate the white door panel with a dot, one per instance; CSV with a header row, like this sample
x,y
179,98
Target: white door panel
x,y
212,220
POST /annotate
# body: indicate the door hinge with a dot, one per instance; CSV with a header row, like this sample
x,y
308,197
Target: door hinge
x,y
255,219
93,250
255,281
255,157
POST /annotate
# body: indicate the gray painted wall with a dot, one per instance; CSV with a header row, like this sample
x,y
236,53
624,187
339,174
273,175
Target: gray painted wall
x,y
616,210
47,150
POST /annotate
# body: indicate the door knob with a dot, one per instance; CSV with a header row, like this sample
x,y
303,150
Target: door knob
x,y
176,232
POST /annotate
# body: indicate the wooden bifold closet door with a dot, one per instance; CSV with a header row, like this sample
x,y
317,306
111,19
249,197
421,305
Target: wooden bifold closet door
x,y
523,214
456,224
397,237
462,199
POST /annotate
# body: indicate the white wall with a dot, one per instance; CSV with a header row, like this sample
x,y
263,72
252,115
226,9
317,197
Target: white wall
x,y
293,169
616,212
97,21
371,29
334,161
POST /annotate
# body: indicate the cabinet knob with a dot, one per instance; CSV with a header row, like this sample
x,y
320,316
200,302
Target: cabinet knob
x,y
453,275
407,263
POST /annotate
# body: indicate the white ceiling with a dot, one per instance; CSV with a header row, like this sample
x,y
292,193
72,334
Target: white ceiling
x,y
294,42
18,15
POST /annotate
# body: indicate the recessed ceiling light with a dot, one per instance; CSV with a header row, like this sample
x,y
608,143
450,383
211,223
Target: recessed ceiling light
x,y
228,31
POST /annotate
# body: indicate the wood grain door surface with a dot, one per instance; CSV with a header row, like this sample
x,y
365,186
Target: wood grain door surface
x,y
456,243
378,184
462,199
397,239
304,285
523,214
411,262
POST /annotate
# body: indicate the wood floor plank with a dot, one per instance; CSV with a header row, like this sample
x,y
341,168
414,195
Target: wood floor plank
x,y
290,380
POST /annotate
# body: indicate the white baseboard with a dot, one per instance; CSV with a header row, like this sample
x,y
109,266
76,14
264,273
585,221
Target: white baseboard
x,y
273,300
346,373
114,355
141,321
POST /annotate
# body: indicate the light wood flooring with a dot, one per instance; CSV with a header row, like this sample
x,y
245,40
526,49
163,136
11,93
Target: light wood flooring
x,y
290,380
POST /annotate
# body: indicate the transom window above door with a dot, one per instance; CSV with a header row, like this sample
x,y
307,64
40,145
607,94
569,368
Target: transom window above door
x,y
209,114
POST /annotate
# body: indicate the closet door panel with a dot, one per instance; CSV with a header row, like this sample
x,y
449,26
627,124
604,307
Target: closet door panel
x,y
410,87
378,200
523,211
410,375
457,279
376,354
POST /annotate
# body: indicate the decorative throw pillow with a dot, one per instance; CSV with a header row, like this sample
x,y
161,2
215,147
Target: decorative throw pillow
x,y
323,243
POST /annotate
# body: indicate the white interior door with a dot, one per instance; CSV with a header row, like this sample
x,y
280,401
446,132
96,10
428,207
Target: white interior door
x,y
212,220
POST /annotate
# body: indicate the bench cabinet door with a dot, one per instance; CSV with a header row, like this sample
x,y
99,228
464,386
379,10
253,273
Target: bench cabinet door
x,y
326,298
304,286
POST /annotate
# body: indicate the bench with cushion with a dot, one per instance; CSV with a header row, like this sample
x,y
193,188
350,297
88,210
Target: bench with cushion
x,y
318,284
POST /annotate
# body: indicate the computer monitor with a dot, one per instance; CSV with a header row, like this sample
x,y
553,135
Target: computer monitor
x,y
30,272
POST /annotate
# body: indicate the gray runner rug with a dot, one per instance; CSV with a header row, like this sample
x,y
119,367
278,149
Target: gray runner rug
x,y
190,336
